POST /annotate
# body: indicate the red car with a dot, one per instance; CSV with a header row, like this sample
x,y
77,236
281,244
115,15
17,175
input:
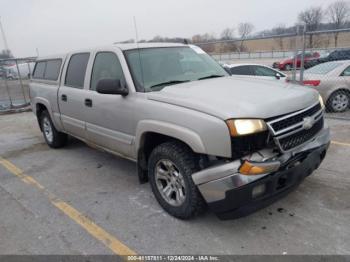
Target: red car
x,y
288,63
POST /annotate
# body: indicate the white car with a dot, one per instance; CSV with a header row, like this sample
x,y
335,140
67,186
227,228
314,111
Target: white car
x,y
254,70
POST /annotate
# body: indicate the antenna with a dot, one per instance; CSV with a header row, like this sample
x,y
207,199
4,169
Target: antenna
x,y
138,49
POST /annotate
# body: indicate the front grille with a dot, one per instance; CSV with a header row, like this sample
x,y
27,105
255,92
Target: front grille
x,y
292,120
292,130
300,137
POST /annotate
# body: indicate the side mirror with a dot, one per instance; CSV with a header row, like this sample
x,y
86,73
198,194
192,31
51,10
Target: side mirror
x,y
111,87
278,76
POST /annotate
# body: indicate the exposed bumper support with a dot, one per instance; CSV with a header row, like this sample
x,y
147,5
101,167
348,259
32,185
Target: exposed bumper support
x,y
222,185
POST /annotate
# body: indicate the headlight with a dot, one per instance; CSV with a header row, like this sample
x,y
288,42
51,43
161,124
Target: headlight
x,y
321,101
241,127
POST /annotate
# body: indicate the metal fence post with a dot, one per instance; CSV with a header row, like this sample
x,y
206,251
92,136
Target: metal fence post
x,y
302,62
295,55
8,91
20,81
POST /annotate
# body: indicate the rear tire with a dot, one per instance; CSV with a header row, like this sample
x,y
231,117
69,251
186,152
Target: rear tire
x,y
53,138
170,168
339,101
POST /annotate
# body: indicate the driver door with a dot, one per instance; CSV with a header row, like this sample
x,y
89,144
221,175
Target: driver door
x,y
109,117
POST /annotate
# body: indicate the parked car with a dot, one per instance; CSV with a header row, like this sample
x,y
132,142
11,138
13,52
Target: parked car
x,y
332,81
12,73
254,70
287,64
337,55
198,135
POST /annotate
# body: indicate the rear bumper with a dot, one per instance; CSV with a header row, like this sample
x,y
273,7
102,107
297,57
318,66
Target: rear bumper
x,y
232,195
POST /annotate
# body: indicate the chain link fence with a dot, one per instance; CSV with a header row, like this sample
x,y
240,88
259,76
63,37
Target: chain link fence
x,y
15,75
318,60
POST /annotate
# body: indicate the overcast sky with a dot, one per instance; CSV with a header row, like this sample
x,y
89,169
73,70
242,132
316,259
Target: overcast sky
x,y
56,26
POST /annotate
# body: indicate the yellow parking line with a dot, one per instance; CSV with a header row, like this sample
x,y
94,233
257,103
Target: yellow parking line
x,y
340,143
96,231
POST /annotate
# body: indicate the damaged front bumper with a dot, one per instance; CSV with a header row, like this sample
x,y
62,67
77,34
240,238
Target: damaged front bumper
x,y
231,194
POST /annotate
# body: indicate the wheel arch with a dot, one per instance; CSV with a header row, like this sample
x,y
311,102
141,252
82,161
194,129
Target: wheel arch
x,y
152,133
41,104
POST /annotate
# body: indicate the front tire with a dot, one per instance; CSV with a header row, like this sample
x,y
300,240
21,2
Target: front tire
x,y
52,137
170,168
288,67
339,101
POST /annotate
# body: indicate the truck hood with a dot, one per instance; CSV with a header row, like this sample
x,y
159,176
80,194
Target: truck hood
x,y
234,97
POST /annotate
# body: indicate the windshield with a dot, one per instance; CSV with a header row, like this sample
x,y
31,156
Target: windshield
x,y
154,68
322,69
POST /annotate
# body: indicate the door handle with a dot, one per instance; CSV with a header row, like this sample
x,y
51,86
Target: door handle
x,y
88,102
64,98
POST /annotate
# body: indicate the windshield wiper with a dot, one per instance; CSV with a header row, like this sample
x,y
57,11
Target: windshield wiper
x,y
210,76
171,82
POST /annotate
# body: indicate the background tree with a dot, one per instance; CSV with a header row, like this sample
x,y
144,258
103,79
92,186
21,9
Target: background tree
x,y
338,14
312,18
227,34
244,30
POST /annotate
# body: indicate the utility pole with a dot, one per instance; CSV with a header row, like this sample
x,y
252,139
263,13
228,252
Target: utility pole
x,y
4,37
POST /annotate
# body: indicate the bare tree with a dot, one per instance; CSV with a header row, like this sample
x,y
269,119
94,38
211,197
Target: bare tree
x,y
244,30
202,40
227,34
338,14
312,18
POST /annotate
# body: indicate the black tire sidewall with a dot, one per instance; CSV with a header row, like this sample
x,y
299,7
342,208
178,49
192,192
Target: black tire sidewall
x,y
58,139
182,162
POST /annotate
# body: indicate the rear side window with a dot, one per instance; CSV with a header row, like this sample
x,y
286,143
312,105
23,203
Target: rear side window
x,y
76,70
39,70
47,70
52,69
241,70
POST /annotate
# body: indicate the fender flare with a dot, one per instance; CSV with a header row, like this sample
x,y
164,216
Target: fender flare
x,y
46,103
188,136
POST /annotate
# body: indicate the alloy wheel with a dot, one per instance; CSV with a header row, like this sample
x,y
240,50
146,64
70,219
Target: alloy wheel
x,y
170,182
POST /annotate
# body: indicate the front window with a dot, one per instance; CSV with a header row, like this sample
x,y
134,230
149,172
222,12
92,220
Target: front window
x,y
154,68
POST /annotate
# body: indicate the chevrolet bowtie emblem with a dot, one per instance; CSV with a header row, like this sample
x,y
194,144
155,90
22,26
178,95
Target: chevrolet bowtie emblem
x,y
308,122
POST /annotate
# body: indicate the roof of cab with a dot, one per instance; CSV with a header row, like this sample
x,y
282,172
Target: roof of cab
x,y
146,45
123,47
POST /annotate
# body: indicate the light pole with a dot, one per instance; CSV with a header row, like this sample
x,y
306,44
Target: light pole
x,y
4,37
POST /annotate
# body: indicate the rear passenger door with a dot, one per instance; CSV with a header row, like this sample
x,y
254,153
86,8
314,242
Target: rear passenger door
x,y
71,95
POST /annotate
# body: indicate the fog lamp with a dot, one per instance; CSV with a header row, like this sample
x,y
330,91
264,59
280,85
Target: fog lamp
x,y
258,190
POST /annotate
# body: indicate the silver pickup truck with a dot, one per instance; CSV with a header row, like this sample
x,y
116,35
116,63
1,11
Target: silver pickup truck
x,y
200,137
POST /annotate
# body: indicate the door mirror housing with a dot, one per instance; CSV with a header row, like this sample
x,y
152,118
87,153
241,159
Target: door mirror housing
x,y
278,75
111,87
